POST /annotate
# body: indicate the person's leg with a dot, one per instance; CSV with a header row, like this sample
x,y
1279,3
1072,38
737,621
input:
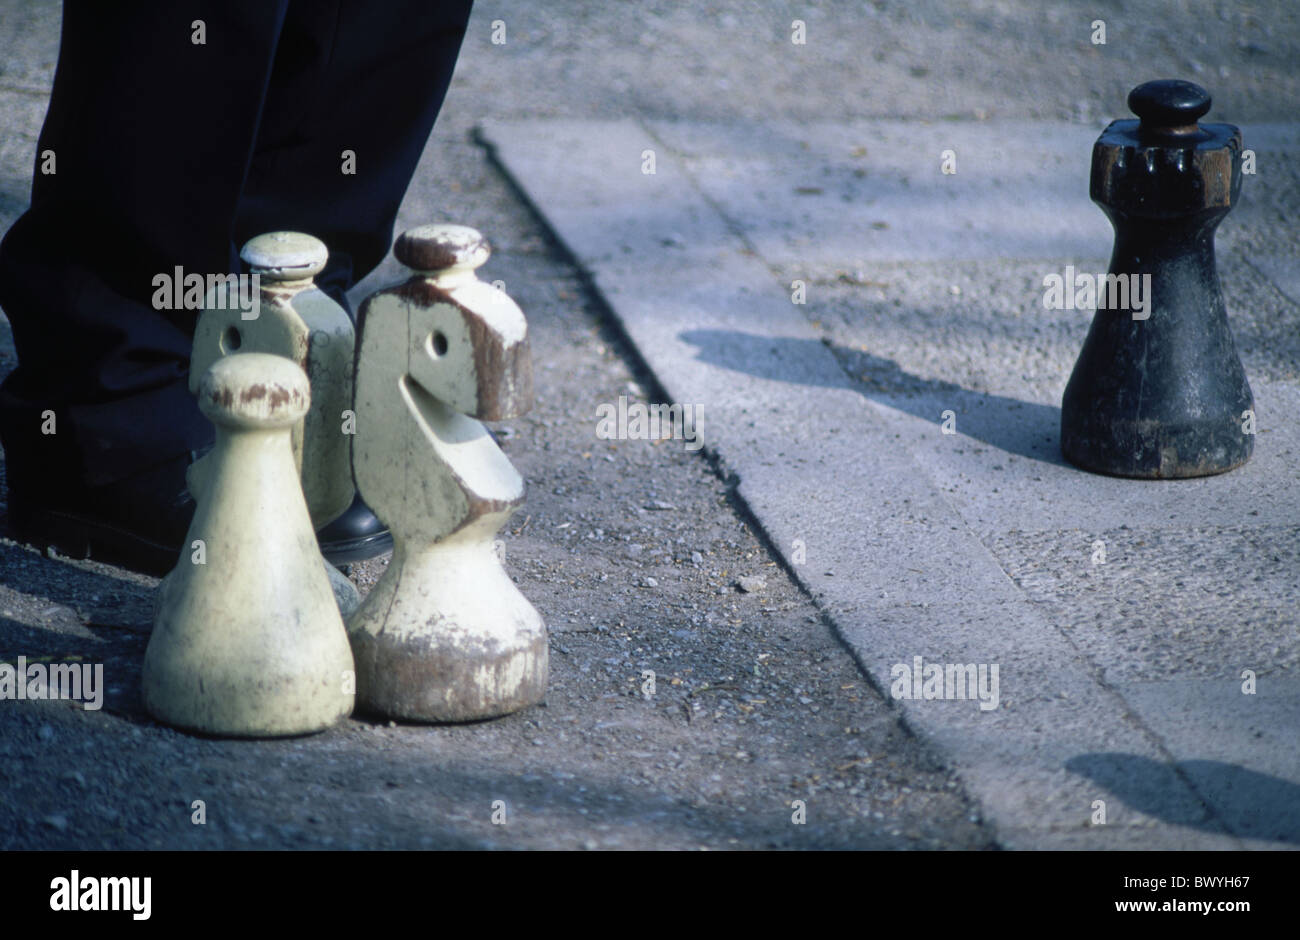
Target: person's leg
x,y
152,134
362,77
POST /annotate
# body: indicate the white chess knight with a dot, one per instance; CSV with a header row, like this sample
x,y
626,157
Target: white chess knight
x,y
291,317
247,640
445,635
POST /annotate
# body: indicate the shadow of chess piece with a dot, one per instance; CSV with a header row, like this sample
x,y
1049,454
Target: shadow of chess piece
x,y
445,635
1160,392
247,641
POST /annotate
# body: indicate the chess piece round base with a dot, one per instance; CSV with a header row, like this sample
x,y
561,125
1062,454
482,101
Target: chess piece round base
x,y
1136,450
1166,396
482,654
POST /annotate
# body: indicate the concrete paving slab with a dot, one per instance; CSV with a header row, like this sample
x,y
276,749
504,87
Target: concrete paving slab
x,y
1022,757
803,416
795,439
879,191
1149,604
693,259
1003,469
1275,252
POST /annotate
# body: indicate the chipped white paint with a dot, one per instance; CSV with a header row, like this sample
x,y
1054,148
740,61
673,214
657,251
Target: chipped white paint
x,y
445,635
467,247
492,304
250,643
285,256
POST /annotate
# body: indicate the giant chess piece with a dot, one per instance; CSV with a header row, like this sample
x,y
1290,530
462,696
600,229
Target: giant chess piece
x,y
1161,392
445,635
291,317
247,639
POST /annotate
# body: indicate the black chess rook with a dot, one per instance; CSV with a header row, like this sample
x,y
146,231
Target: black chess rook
x,y
1159,391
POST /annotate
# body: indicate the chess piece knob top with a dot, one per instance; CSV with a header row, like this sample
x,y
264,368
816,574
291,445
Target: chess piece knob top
x,y
255,391
442,248
1166,165
1169,108
285,256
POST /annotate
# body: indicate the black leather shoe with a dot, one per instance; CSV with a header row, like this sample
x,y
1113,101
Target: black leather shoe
x,y
354,536
141,522
138,523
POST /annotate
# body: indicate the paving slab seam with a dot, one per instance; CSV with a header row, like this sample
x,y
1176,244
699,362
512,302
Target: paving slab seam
x,y
737,230
1271,281
915,722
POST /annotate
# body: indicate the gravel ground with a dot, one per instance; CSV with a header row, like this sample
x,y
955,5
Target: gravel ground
x,y
633,552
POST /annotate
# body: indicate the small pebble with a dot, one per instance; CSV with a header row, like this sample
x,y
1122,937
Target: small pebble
x,y
751,583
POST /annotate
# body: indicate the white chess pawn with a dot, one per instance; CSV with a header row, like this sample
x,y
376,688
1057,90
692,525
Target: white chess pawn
x,y
247,640
445,635
293,318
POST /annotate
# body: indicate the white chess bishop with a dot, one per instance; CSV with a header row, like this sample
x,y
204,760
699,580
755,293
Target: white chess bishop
x,y
445,635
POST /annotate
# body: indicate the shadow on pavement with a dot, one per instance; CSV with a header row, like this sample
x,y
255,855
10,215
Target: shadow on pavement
x,y
1027,429
1252,805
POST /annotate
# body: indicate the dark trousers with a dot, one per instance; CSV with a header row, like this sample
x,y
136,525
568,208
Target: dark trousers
x,y
170,153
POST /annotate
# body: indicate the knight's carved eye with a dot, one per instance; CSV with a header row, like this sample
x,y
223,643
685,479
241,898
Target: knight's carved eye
x,y
437,344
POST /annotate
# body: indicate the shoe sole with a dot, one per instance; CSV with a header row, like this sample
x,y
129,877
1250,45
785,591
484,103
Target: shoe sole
x,y
78,537
360,549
